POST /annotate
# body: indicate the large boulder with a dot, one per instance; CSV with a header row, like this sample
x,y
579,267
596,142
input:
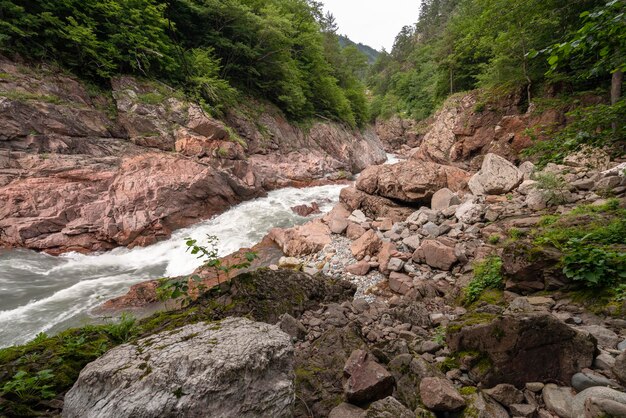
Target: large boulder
x,y
302,240
520,349
234,368
373,206
411,181
497,176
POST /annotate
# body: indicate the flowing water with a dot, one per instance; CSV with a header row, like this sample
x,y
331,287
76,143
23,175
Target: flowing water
x,y
43,293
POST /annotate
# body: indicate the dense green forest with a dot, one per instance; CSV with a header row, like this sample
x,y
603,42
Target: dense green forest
x,y
532,45
286,51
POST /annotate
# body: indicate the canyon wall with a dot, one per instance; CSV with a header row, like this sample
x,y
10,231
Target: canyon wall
x,y
86,169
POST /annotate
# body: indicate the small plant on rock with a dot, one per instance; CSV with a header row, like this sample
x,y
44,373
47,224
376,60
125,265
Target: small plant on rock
x,y
26,386
122,330
175,288
487,275
552,186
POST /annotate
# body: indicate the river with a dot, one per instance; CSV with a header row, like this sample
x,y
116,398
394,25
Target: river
x,y
43,293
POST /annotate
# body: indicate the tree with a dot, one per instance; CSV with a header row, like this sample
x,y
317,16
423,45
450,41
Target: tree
x,y
600,45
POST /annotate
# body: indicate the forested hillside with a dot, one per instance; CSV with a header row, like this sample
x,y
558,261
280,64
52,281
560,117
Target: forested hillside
x,y
218,51
557,46
371,53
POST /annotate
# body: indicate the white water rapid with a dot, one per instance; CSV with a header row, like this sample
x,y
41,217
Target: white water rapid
x,y
43,293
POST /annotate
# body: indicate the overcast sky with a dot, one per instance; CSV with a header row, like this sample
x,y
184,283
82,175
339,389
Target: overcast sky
x,y
373,22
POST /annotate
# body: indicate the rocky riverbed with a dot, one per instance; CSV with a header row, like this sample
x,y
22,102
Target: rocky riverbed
x,y
437,287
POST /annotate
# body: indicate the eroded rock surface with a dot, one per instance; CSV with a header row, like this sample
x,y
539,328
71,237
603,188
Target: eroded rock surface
x,y
232,368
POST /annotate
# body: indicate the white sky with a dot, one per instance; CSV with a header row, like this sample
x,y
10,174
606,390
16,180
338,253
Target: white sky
x,y
373,22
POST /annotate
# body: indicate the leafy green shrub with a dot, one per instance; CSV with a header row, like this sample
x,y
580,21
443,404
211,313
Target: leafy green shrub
x,y
27,386
599,126
487,275
592,240
594,266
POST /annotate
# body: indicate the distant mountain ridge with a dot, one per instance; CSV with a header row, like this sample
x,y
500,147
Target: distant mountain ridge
x,y
371,53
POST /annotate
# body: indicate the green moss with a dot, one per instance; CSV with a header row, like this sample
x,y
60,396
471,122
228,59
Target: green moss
x,y
448,364
152,98
487,275
24,96
469,319
468,390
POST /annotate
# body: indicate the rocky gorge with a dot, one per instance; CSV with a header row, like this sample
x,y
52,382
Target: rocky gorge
x,y
434,288
84,169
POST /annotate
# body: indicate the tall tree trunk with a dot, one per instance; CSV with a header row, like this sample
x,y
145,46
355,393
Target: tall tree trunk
x,y
616,86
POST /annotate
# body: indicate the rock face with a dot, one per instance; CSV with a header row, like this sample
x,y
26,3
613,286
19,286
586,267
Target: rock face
x,y
524,348
234,368
86,173
411,181
497,176
466,128
395,133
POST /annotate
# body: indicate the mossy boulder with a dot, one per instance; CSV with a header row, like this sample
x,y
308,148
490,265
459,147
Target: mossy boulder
x,y
520,349
262,295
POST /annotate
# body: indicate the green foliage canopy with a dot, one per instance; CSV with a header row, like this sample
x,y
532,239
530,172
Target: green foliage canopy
x,y
274,49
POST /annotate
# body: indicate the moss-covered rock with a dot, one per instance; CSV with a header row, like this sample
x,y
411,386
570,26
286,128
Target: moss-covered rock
x,y
262,295
520,349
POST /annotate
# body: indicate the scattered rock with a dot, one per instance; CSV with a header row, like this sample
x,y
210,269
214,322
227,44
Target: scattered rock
x,y
291,263
292,326
354,231
443,199
470,213
558,400
413,242
585,380
346,410
619,369
306,210
606,337
248,371
359,269
482,406
438,255
338,225
388,408
366,380
440,395
591,403
505,394
400,283
367,244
